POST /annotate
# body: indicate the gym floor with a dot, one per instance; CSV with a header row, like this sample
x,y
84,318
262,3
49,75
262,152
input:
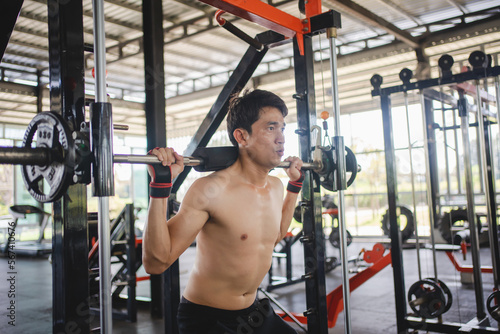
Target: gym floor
x,y
372,304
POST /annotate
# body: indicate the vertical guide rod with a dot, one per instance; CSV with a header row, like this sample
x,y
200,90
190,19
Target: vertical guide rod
x,y
106,319
493,224
471,214
429,182
487,187
332,34
497,93
414,200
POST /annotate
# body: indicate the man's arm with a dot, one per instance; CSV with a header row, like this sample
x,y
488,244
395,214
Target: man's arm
x,y
296,176
164,242
287,213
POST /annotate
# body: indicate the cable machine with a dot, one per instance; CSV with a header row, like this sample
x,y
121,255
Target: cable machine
x,y
430,298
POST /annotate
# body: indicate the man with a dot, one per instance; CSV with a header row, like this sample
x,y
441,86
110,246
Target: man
x,y
237,215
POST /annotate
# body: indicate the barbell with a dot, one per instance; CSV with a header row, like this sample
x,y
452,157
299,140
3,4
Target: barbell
x,y
429,298
62,157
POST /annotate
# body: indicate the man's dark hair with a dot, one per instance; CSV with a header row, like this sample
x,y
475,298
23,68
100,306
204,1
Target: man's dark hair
x,y
245,110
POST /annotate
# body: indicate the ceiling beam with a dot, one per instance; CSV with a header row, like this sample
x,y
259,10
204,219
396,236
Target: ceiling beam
x,y
364,15
196,5
458,6
395,8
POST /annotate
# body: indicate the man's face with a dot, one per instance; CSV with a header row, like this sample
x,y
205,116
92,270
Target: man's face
x,y
266,142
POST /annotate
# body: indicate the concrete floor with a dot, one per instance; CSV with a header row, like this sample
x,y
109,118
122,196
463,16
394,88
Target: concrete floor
x,y
372,304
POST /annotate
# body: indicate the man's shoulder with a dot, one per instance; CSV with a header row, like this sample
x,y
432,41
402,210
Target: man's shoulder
x,y
208,180
275,181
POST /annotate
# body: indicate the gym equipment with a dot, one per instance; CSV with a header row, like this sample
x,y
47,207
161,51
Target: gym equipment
x,y
66,62
454,226
327,174
421,294
493,305
283,251
340,182
378,261
50,153
36,247
429,298
237,32
334,238
283,309
53,135
403,75
126,257
407,230
461,268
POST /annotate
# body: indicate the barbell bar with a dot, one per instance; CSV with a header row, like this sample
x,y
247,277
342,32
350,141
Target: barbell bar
x,y
194,161
51,152
42,156
28,156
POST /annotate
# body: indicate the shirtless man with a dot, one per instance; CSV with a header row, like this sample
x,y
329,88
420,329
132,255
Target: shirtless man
x,y
237,215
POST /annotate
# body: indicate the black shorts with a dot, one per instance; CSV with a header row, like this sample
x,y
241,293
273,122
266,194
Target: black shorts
x,y
259,318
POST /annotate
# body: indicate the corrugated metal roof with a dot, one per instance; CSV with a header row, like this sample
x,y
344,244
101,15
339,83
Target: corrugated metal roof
x,y
199,55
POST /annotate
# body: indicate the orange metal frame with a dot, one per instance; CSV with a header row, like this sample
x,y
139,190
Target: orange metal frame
x,y
334,300
271,17
465,268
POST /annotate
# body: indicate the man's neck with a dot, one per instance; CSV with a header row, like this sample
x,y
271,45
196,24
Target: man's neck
x,y
251,172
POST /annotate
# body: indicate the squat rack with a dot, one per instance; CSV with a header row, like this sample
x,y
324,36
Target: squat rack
x,y
482,69
67,97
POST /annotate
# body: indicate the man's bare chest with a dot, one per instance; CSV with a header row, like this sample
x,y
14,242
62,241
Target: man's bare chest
x,y
248,215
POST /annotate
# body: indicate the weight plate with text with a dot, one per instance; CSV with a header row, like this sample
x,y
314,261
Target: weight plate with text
x,y
49,130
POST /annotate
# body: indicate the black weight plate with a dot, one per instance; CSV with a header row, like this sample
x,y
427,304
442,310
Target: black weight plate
x,y
297,214
351,165
329,166
492,304
331,263
334,238
427,299
48,130
447,292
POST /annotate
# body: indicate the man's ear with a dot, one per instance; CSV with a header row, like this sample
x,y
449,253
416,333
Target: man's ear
x,y
241,136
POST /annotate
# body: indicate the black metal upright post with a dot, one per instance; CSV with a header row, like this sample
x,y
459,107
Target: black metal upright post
x,y
314,244
131,263
392,200
154,76
8,17
69,243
